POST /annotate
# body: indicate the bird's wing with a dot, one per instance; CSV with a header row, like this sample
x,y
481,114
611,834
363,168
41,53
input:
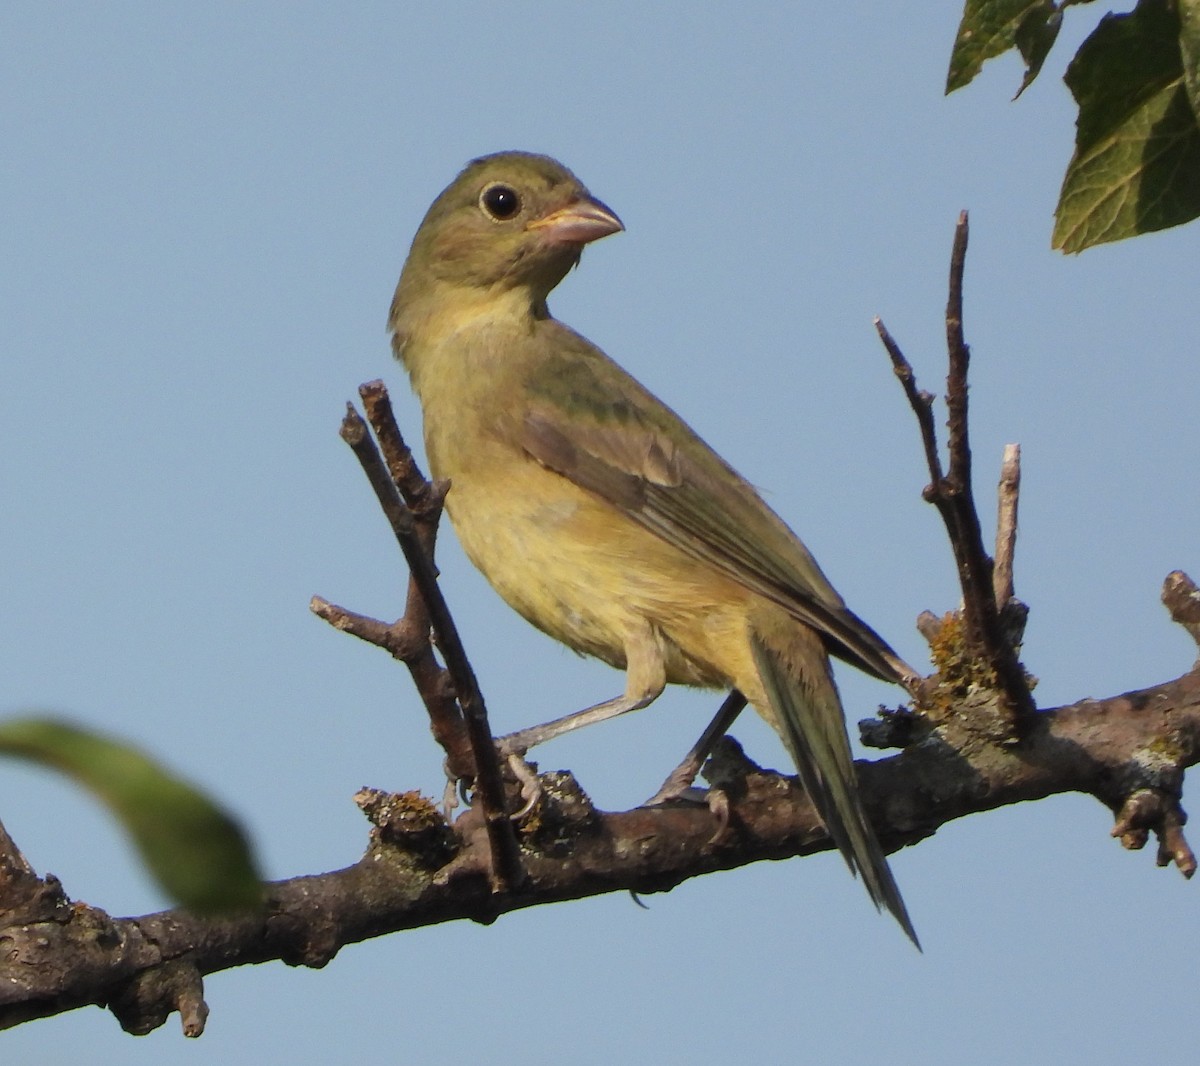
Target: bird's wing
x,y
592,423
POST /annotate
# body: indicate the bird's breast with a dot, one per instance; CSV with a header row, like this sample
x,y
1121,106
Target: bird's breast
x,y
574,565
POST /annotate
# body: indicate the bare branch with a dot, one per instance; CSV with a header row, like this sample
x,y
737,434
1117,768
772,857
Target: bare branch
x,y
960,361
957,501
1182,599
424,497
1008,494
951,493
921,402
408,638
507,872
419,871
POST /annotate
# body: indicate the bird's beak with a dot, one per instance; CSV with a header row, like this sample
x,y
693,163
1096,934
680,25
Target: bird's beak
x,y
578,223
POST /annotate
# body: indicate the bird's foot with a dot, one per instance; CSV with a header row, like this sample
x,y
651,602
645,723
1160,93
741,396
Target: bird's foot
x,y
526,775
679,787
450,797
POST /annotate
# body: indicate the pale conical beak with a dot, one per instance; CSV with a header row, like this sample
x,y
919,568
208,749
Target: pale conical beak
x,y
578,223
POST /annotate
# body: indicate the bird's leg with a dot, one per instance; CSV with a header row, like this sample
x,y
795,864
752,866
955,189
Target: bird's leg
x,y
645,679
524,739
680,779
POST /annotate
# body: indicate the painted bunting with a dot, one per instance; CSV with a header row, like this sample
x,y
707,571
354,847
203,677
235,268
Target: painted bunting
x,y
596,512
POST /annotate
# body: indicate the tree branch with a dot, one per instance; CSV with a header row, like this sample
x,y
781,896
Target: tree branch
x,y
428,609
984,637
419,870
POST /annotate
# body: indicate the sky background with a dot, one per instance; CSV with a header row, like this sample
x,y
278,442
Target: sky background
x,y
204,211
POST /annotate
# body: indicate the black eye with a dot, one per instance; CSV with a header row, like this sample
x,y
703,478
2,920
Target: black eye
x,y
500,201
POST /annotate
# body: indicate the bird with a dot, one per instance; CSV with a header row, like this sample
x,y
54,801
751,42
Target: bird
x,y
597,513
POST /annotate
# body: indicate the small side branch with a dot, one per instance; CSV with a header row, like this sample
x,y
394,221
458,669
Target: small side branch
x,y
1006,525
955,498
1181,597
920,400
1151,809
950,491
392,481
425,500
146,1001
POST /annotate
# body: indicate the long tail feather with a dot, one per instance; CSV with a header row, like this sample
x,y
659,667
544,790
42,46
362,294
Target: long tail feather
x,y
813,728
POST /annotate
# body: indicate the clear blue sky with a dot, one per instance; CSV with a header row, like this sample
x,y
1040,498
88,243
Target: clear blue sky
x,y
204,210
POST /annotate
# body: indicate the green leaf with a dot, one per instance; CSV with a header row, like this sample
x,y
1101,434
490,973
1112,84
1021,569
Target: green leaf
x,y
1136,166
991,27
1189,46
195,851
1035,37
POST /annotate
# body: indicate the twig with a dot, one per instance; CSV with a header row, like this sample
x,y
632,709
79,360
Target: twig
x,y
425,500
506,859
17,877
922,405
954,495
1181,597
960,361
1153,809
407,639
950,491
421,495
1008,495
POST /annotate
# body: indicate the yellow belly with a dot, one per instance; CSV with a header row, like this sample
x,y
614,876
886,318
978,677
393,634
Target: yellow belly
x,y
588,575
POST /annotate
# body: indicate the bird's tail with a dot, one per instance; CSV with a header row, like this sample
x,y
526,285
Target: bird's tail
x,y
808,715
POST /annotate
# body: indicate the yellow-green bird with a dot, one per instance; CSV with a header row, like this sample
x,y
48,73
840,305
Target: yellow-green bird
x,y
596,511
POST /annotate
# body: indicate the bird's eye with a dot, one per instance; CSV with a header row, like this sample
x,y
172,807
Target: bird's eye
x,y
500,201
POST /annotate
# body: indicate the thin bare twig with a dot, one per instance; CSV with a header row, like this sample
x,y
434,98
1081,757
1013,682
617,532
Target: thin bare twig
x,y
425,500
408,639
421,495
1008,496
950,491
955,497
921,402
960,361
507,872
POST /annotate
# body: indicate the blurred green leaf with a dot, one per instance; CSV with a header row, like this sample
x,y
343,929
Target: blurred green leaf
x,y
196,852
1136,166
991,27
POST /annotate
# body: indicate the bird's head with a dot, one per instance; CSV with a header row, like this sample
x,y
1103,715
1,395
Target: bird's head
x,y
509,221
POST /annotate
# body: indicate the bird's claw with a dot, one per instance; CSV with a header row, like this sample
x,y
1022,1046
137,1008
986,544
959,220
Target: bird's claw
x,y
678,787
718,803
450,797
454,792
531,787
